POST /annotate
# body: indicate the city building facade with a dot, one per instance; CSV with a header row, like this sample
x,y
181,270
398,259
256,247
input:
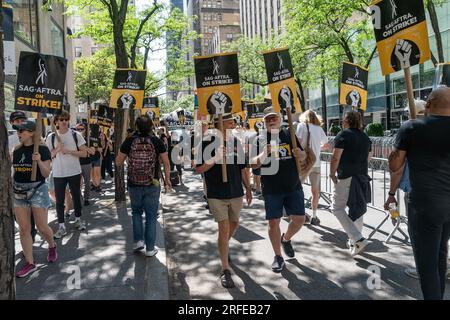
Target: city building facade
x,y
261,18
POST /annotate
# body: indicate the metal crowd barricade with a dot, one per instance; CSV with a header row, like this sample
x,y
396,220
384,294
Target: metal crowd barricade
x,y
377,167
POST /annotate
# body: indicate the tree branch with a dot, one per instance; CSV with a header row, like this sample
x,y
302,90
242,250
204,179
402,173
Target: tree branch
x,y
139,32
371,56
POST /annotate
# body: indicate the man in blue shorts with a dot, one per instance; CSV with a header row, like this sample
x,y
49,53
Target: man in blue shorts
x,y
282,189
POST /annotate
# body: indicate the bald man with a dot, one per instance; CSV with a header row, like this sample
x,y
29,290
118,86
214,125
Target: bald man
x,y
426,144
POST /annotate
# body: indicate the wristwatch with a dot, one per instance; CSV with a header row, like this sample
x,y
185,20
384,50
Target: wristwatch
x,y
392,194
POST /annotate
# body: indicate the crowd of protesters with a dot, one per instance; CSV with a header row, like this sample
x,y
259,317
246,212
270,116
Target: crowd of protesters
x,y
65,163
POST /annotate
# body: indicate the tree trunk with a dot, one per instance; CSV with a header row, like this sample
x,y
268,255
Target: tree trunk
x,y
7,266
324,105
121,62
435,24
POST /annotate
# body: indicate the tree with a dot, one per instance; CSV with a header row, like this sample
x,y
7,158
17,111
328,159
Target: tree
x,y
431,7
7,265
114,21
324,33
94,76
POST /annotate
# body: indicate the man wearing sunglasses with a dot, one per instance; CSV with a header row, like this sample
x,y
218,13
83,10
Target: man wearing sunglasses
x,y
66,149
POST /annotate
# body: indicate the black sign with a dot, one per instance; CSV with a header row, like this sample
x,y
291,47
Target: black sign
x,y
105,116
40,83
353,88
128,89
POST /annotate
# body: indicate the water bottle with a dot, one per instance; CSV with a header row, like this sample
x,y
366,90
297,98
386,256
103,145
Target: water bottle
x,y
394,212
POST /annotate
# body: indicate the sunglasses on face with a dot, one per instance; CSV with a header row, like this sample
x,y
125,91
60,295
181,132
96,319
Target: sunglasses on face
x,y
80,129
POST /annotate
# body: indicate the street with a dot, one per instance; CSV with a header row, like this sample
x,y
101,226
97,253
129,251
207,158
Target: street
x,y
187,265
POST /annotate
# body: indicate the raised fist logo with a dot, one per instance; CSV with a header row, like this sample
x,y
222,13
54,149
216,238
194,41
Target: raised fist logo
x,y
286,95
403,50
127,100
355,98
259,125
283,152
219,101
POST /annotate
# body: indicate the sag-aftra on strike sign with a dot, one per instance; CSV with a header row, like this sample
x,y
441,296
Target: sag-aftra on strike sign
x,y
40,83
401,33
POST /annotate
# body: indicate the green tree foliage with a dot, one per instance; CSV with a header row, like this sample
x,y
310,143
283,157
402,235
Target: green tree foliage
x,y
186,102
374,130
94,76
324,33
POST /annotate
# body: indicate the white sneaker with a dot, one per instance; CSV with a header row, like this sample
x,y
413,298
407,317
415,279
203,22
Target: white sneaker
x,y
138,246
349,244
412,272
359,246
60,233
151,253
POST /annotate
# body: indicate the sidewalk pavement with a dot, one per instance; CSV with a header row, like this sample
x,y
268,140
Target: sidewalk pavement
x,y
100,257
322,268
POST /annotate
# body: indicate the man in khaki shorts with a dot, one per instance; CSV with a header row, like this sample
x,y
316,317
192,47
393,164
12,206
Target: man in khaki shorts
x,y
225,199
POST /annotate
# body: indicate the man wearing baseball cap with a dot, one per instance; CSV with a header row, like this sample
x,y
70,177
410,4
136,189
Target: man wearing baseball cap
x,y
281,189
225,199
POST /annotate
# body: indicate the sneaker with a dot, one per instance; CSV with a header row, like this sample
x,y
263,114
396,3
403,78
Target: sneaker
x,y
287,247
359,246
315,221
86,202
278,264
138,246
349,244
151,253
257,194
412,272
226,280
307,218
67,215
60,233
80,225
52,254
26,270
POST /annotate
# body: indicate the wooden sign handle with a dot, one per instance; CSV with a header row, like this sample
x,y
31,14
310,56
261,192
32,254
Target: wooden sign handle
x,y
293,138
410,93
224,164
126,117
36,142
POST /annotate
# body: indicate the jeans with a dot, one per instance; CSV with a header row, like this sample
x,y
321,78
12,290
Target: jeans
x,y
429,228
86,172
144,199
60,192
340,198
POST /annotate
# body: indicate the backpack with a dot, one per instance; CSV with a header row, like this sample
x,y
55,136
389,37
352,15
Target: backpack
x,y
142,161
74,135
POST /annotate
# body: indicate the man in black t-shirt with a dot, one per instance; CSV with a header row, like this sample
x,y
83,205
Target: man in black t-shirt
x,y
426,144
280,189
225,199
145,153
352,148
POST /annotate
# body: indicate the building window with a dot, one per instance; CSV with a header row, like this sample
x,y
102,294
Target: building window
x,y
229,37
219,3
94,50
57,39
219,17
78,52
25,21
